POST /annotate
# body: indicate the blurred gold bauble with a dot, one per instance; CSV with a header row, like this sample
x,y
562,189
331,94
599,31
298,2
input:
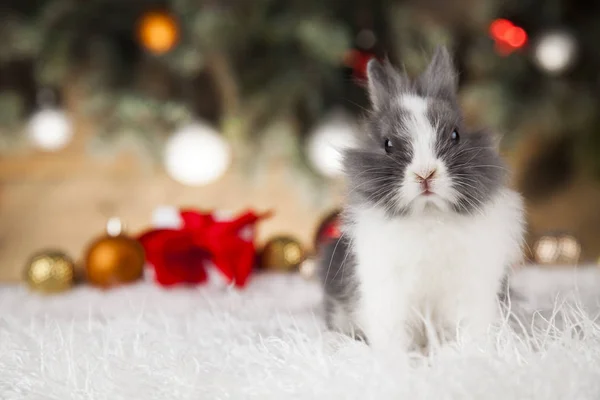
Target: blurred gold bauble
x,y
282,253
114,259
308,269
50,272
158,32
546,250
562,249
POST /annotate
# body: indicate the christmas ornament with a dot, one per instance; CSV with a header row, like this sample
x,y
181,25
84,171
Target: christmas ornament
x,y
569,250
282,253
329,229
308,269
50,272
183,254
560,249
555,52
196,155
546,250
158,32
326,143
114,259
507,36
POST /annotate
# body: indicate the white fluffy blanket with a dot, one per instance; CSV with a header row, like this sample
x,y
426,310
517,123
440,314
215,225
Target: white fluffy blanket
x,y
268,342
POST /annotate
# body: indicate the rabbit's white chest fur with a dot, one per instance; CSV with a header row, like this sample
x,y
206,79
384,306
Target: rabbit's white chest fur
x,y
440,267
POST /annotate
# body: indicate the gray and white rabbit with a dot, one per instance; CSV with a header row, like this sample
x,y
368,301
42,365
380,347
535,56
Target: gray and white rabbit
x,y
430,227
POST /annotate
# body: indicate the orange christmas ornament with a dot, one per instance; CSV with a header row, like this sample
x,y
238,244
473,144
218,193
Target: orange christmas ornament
x,y
158,32
115,258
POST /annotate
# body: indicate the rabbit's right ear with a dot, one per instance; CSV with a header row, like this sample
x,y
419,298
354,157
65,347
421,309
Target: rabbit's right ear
x,y
384,82
440,78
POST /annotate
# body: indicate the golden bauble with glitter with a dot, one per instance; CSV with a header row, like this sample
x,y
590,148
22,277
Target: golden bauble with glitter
x,y
114,259
561,249
282,253
308,269
50,272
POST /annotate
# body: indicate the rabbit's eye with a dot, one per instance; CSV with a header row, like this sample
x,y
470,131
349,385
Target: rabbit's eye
x,y
388,145
455,137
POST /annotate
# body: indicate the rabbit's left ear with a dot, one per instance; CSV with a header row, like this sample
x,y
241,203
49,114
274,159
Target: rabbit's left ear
x,y
440,78
384,82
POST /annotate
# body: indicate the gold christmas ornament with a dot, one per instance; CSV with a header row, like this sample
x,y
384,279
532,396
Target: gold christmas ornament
x,y
308,269
282,253
546,250
557,250
115,258
569,250
50,272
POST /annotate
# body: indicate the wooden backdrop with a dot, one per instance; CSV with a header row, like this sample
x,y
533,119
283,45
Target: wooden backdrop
x,y
62,200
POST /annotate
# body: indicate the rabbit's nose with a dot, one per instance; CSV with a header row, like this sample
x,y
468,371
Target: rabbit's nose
x,y
425,181
427,176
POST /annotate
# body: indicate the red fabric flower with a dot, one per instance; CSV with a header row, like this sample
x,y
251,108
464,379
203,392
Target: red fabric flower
x,y
182,255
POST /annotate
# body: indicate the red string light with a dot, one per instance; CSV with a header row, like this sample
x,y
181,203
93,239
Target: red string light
x,y
516,37
508,36
499,27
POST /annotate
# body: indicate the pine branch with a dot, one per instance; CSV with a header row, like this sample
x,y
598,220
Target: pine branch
x,y
220,68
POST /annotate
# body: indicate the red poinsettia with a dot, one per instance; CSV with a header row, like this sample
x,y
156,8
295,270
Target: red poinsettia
x,y
182,255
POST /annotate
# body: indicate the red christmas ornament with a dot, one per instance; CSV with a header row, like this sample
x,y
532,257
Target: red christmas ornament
x,y
182,255
329,229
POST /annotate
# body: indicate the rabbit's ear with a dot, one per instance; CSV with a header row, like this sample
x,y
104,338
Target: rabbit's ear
x,y
440,78
384,82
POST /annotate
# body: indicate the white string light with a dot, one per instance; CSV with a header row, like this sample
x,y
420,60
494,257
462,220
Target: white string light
x,y
196,155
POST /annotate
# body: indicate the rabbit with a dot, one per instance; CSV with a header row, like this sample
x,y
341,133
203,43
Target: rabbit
x,y
430,227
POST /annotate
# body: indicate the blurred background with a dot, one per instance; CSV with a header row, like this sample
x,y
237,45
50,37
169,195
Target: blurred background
x,y
119,108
